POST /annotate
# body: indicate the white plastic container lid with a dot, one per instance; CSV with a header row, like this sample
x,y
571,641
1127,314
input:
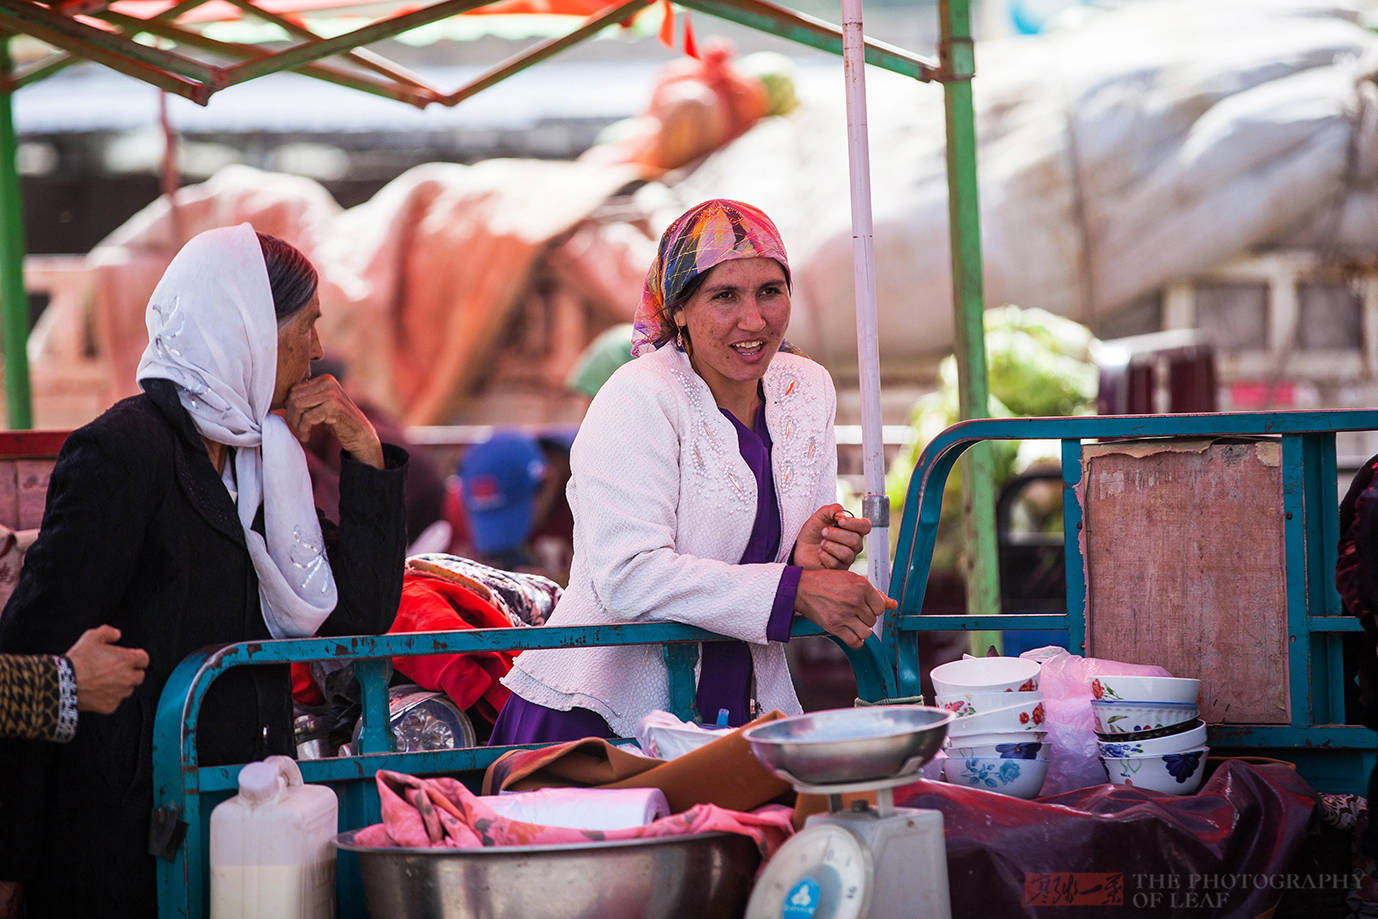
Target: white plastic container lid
x,y
259,782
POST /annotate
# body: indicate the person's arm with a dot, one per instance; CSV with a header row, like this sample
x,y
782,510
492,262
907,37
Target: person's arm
x,y
105,673
87,549
38,698
320,402
40,694
841,603
368,551
831,537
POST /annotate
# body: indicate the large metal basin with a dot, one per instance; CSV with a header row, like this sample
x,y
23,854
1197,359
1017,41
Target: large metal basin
x,y
707,874
850,745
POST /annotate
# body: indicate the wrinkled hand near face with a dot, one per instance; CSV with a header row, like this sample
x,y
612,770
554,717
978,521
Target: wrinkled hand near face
x,y
308,402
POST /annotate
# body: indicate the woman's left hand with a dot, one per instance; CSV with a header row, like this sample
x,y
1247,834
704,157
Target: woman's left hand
x,y
831,538
321,401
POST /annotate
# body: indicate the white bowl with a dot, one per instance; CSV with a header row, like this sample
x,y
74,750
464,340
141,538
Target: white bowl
x,y
1018,748
1145,689
1133,717
1026,717
995,737
1020,778
973,703
1175,773
984,674
1172,743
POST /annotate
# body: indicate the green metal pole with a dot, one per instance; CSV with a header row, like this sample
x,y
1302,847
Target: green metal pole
x,y
14,302
958,65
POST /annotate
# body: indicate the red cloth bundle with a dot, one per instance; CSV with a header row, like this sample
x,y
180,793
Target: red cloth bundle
x,y
471,679
432,604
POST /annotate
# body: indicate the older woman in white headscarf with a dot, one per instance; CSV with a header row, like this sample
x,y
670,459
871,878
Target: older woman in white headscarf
x,y
183,517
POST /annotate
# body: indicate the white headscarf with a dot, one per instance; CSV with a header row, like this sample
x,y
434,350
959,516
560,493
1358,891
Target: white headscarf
x,y
212,331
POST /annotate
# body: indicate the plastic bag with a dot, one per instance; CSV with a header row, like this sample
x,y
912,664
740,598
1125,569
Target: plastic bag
x,y
1065,681
664,736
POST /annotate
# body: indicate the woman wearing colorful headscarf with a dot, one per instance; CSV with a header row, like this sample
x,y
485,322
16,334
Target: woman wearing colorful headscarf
x,y
703,492
183,517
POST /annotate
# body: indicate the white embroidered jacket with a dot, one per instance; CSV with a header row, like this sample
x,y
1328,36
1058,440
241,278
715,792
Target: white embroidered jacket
x,y
663,506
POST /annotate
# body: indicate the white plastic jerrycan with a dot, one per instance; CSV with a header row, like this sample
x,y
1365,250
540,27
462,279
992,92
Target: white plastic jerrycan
x,y
271,851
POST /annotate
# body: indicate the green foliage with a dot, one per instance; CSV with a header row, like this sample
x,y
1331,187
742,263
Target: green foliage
x,y
1038,364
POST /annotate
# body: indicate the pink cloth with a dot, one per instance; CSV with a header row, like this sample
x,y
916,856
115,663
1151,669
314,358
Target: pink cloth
x,y
441,812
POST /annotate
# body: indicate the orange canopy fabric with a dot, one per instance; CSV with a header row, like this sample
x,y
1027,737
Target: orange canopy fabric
x,y
220,10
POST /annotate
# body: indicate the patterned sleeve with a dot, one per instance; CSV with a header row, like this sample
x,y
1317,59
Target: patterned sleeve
x,y
66,727
37,697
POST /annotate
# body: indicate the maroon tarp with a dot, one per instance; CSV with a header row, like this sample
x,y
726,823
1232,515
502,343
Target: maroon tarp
x,y
1227,851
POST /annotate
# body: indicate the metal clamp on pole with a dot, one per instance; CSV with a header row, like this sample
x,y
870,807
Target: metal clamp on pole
x,y
876,508
166,830
956,59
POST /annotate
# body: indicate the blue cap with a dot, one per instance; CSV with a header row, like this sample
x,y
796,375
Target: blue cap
x,y
499,480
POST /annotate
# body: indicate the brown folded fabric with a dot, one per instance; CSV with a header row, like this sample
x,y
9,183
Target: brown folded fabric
x,y
588,763
723,772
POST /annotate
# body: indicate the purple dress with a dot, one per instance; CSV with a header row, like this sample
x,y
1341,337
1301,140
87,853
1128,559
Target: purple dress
x,y
725,669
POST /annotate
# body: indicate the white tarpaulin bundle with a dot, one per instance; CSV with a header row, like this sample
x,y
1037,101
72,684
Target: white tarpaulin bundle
x,y
1151,143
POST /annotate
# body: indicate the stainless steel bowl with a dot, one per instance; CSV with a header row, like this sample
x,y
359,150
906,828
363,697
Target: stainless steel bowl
x,y
706,874
850,745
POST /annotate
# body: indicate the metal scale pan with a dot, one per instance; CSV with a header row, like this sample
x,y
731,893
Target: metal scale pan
x,y
862,863
850,749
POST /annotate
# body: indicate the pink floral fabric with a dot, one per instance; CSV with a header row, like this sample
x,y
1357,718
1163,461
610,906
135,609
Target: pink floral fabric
x,y
441,812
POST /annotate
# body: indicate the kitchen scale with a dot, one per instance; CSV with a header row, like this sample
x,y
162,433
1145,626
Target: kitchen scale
x,y
862,862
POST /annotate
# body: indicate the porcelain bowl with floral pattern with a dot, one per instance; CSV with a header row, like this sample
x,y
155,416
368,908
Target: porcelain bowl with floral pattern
x,y
1026,717
1177,773
984,674
974,703
1020,778
1173,743
996,737
1134,717
1179,728
1015,748
1145,688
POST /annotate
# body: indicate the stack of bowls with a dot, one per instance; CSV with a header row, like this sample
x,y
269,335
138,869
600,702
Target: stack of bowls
x,y
1150,732
997,740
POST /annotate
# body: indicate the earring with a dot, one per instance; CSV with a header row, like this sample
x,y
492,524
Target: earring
x,y
682,342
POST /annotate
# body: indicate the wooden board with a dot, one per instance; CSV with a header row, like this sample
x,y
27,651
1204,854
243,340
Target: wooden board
x,y
1185,568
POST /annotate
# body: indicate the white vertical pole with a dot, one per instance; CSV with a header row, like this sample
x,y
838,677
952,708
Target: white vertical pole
x,y
875,505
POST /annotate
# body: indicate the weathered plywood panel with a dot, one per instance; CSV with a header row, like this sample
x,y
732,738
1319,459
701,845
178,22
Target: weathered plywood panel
x,y
1186,569
32,478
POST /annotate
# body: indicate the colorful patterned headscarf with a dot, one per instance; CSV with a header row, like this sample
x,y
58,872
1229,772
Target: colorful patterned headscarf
x,y
708,234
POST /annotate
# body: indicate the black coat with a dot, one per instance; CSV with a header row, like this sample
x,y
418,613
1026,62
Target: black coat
x,y
139,532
